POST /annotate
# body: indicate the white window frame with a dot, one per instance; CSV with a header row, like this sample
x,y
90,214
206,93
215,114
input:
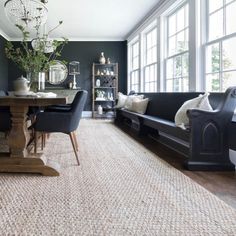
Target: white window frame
x,y
207,43
196,50
175,55
148,65
130,64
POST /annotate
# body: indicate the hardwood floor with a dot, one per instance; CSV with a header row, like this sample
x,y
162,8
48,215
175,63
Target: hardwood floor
x,y
222,184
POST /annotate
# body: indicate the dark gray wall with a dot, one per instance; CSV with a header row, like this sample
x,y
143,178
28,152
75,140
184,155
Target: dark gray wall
x,y
87,53
3,65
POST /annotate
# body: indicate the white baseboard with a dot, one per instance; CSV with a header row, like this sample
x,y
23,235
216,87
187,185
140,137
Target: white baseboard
x,y
87,114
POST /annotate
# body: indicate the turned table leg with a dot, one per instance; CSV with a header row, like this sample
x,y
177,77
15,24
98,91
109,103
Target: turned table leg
x,y
19,136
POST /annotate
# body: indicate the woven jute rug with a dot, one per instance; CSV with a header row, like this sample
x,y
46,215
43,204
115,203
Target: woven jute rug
x,y
120,188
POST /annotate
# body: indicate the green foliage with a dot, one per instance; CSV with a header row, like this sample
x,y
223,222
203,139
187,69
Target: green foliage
x,y
215,65
30,60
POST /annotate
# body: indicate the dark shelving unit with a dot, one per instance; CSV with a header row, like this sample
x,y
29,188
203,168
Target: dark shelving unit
x,y
108,76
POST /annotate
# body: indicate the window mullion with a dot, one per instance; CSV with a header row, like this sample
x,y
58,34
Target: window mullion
x,y
221,66
145,59
193,47
142,61
159,55
221,39
178,54
224,18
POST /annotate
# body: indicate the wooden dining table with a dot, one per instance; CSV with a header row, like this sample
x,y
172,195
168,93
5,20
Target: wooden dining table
x,y
19,159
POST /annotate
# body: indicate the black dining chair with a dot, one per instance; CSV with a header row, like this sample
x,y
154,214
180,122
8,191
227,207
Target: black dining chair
x,y
5,116
53,108
59,107
63,121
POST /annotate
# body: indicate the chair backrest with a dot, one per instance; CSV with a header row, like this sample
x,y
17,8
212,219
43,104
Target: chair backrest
x,y
5,116
77,107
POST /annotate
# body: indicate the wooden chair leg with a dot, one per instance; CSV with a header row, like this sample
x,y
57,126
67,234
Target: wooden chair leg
x,y
42,141
74,146
6,134
76,141
35,142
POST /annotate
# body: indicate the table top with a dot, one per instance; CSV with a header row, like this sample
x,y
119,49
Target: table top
x,y
32,101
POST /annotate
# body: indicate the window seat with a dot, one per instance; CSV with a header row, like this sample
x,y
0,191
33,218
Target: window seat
x,y
205,143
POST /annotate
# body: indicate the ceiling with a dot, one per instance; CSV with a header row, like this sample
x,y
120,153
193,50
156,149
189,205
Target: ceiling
x,y
90,20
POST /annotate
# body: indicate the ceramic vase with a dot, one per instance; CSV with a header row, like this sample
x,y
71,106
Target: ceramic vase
x,y
102,59
21,84
98,83
100,110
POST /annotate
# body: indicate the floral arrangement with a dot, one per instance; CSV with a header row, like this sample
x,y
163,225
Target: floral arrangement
x,y
34,60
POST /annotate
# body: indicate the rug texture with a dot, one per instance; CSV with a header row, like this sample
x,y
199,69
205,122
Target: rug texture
x,y
120,188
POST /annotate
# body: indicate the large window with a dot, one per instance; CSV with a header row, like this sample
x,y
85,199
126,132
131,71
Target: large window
x,y
221,45
150,61
134,81
185,45
177,61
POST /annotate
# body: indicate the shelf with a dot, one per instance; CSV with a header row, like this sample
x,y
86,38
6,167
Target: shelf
x,y
104,115
104,100
104,87
98,64
108,84
106,75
